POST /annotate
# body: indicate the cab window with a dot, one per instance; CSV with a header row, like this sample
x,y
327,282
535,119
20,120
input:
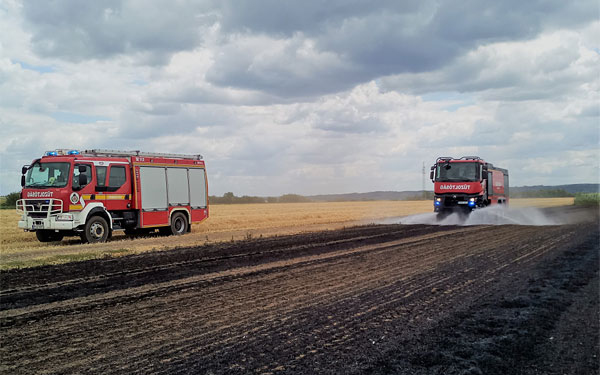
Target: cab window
x,y
117,176
101,175
76,173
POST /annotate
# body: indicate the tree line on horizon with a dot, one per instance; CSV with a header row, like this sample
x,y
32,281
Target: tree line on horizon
x,y
10,200
542,193
231,198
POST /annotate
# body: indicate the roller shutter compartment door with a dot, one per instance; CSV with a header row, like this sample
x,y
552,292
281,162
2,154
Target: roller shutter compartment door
x,y
177,184
153,185
197,188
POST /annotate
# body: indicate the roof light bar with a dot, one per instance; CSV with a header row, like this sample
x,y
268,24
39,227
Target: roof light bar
x,y
101,152
96,152
61,151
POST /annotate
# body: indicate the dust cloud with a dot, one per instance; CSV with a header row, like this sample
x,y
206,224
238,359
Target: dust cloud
x,y
494,215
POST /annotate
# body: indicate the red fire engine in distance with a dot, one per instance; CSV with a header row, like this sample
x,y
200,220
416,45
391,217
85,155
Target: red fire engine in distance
x,y
462,185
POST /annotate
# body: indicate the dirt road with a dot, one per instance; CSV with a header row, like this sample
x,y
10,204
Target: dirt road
x,y
373,299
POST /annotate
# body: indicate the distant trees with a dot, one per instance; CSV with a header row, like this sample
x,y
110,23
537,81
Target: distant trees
x,y
423,196
292,198
230,198
542,193
10,201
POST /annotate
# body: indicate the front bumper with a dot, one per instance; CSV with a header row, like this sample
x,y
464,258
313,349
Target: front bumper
x,y
31,224
46,214
456,202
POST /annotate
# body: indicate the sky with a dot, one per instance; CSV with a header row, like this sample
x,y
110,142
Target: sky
x,y
307,97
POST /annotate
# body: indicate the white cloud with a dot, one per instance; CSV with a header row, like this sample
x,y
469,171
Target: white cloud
x,y
555,64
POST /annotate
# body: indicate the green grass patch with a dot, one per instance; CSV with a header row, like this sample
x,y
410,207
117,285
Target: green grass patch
x,y
62,259
587,199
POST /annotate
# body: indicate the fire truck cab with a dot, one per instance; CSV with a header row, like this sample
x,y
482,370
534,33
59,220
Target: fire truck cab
x,y
91,193
462,185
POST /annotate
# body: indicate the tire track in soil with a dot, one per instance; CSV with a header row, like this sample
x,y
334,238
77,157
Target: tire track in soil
x,y
286,317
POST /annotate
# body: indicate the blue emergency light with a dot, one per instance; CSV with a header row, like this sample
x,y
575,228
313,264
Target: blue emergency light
x,y
62,152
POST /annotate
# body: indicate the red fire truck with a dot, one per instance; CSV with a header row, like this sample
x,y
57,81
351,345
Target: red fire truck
x,y
462,185
91,193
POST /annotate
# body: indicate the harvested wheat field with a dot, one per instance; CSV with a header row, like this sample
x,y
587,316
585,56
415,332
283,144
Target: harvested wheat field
x,y
226,223
374,299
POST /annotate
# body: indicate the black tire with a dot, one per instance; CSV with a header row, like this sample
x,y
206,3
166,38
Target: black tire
x,y
48,235
96,230
179,224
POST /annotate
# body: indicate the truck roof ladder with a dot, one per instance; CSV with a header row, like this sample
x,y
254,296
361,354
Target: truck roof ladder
x,y
102,152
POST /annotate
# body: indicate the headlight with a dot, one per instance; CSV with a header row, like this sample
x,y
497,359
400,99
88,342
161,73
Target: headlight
x,y
472,199
64,217
438,199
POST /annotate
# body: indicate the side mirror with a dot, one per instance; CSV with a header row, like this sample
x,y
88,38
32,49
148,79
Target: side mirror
x,y
24,169
23,180
431,175
82,168
82,178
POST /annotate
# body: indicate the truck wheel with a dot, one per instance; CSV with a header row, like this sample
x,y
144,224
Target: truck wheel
x,y
96,230
179,224
48,235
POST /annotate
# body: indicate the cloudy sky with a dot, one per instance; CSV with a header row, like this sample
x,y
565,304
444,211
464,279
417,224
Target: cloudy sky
x,y
306,97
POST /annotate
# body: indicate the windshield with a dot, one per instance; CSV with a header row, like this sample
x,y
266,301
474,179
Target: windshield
x,y
45,175
458,172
